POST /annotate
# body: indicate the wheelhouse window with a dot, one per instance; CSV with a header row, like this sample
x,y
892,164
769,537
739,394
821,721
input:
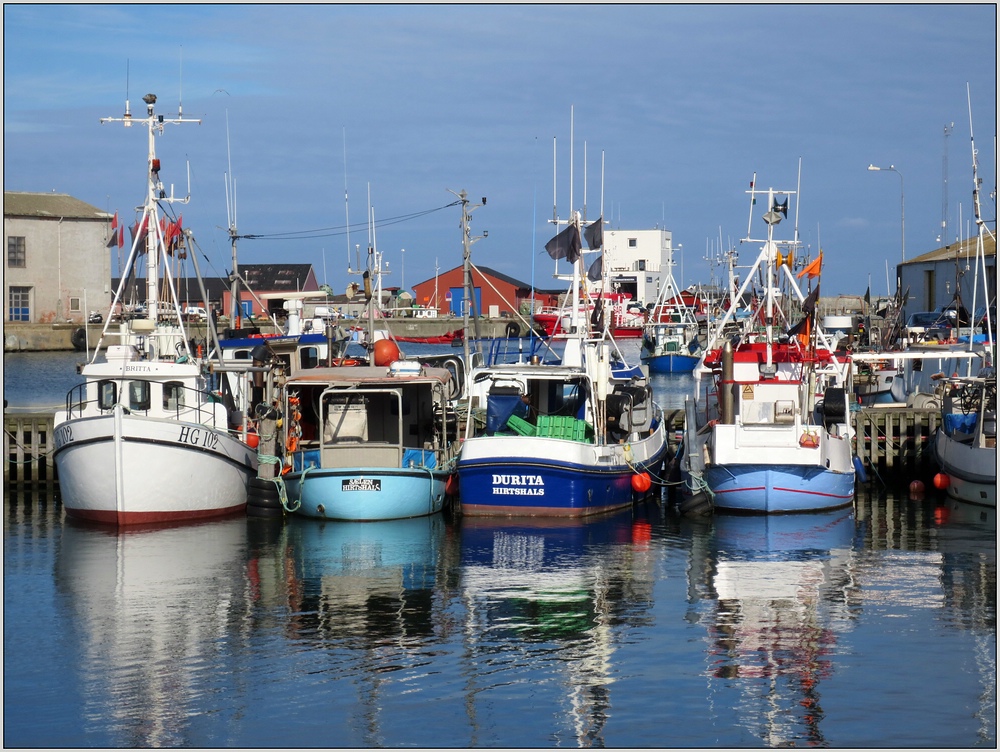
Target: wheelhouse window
x,y
107,394
308,357
173,395
138,395
16,253
19,304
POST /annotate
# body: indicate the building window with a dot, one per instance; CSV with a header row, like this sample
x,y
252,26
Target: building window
x,y
633,242
19,306
641,265
74,304
16,257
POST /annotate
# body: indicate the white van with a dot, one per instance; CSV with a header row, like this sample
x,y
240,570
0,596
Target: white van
x,y
195,313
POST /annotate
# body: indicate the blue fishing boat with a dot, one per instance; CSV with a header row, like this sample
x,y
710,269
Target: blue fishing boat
x,y
670,342
772,433
570,436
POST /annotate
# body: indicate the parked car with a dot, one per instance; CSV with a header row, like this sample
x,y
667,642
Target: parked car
x,y
930,325
195,313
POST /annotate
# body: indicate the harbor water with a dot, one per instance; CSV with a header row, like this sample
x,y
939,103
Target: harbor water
x,y
869,626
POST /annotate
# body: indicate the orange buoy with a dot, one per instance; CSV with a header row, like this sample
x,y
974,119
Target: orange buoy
x,y
941,481
916,487
451,486
253,439
641,482
386,352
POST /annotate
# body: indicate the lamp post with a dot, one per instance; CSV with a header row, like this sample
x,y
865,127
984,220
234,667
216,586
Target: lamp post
x,y
902,202
402,269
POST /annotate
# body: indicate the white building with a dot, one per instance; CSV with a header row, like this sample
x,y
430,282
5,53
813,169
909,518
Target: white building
x,y
58,260
637,261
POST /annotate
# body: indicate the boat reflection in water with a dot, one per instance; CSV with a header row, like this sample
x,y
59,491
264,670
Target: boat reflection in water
x,y
782,587
548,592
150,608
367,581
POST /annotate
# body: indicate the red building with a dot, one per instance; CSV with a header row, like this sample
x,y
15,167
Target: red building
x,y
496,294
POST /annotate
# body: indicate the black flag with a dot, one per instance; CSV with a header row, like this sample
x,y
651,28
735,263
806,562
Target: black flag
x,y
596,270
565,245
809,304
594,234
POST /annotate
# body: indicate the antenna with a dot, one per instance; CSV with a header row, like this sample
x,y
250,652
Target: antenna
x,y
347,213
180,85
943,237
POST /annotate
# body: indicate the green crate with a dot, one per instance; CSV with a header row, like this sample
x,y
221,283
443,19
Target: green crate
x,y
563,427
520,426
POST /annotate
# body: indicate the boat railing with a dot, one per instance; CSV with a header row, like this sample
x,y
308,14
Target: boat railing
x,y
176,402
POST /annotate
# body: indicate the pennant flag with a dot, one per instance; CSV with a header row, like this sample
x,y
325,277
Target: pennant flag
x,y
868,296
565,245
596,270
594,234
121,235
813,269
139,233
113,240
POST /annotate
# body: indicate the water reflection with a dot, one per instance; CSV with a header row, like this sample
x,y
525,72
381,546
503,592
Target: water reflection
x,y
779,590
541,598
151,610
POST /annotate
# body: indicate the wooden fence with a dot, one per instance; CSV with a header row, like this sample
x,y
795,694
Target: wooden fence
x,y
28,444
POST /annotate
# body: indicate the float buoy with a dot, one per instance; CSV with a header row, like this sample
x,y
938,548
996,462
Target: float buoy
x,y
641,482
451,486
386,352
941,481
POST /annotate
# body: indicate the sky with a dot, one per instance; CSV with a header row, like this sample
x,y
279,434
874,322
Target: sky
x,y
325,115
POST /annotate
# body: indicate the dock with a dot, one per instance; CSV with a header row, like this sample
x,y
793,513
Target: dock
x,y
894,440
28,444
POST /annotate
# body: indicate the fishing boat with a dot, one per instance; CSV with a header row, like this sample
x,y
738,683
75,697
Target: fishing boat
x,y
359,439
570,436
965,444
153,435
770,431
625,321
670,341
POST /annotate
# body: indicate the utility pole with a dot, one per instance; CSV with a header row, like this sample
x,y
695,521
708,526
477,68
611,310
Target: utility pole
x,y
469,297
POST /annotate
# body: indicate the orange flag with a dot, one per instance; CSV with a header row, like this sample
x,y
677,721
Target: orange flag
x,y
812,270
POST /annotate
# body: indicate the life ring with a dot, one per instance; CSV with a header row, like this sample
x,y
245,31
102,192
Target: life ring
x,y
347,362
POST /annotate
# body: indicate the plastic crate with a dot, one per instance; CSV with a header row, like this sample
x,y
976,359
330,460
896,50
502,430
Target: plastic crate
x,y
563,427
520,426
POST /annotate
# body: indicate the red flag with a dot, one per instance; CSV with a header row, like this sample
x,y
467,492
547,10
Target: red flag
x,y
113,240
813,269
121,235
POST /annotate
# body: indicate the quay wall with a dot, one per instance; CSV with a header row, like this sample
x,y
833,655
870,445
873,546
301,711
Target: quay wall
x,y
25,337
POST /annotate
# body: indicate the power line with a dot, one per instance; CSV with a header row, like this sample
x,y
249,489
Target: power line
x,y
327,232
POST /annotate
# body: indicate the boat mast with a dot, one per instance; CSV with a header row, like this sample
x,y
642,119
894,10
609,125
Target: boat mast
x,y
469,297
155,193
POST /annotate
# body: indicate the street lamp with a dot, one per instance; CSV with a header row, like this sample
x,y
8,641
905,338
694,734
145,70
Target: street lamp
x,y
902,201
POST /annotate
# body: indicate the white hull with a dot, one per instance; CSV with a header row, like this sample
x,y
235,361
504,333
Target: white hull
x,y
128,470
971,470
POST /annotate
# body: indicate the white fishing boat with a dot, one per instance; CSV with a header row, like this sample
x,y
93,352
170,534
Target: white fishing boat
x,y
569,437
965,444
153,435
771,430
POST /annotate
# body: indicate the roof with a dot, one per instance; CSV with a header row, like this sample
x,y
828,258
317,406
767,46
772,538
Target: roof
x,y
503,278
49,206
276,277
188,286
961,250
